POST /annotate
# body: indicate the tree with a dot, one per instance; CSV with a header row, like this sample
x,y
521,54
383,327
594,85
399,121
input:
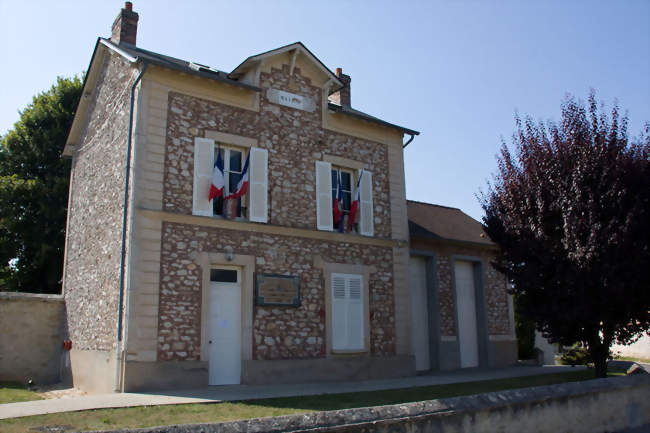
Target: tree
x,y
34,191
570,213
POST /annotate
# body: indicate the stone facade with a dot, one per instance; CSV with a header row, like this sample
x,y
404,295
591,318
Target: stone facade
x,y
94,237
496,296
278,332
295,139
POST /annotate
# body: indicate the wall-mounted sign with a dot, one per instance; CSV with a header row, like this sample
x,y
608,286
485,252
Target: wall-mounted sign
x,y
292,100
274,289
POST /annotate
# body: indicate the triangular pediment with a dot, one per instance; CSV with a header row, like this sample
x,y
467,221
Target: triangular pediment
x,y
295,54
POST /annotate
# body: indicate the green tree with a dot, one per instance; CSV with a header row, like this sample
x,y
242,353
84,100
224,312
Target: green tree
x,y
34,191
570,212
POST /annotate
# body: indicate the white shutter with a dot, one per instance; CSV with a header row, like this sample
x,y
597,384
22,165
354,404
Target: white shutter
x,y
366,219
203,166
348,316
339,313
324,218
258,185
355,313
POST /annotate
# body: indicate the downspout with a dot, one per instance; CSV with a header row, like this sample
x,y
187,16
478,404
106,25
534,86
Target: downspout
x,y
127,175
408,142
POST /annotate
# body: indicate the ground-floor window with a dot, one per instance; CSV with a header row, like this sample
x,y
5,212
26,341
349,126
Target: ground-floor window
x,y
348,315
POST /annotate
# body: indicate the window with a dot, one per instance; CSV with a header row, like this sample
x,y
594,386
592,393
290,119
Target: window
x,y
233,164
326,184
348,316
347,184
253,206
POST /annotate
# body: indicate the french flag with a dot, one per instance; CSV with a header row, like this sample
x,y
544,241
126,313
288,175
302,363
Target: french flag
x,y
354,207
338,201
242,185
216,188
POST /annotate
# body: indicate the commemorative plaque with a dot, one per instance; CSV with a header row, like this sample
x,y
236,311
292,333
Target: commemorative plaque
x,y
272,289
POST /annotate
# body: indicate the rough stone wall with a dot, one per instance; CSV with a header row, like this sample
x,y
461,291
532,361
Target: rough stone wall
x,y
31,337
495,288
294,139
278,332
93,243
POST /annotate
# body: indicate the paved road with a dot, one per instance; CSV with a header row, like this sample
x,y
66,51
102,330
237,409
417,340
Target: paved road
x,y
247,392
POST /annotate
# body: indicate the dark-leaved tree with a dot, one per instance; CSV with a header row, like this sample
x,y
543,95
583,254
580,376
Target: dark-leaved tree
x,y
34,191
570,212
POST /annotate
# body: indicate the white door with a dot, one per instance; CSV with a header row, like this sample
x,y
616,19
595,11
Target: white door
x,y
225,327
419,312
466,306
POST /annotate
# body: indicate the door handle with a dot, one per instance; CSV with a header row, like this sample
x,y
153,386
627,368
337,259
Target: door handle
x,y
210,342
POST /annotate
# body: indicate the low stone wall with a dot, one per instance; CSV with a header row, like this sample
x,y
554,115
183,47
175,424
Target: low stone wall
x,y
31,336
602,405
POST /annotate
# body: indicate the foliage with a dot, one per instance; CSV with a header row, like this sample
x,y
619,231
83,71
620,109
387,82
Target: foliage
x,y
34,191
569,212
575,355
525,329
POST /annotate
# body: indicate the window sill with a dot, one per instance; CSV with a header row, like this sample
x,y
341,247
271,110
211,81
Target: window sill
x,y
349,352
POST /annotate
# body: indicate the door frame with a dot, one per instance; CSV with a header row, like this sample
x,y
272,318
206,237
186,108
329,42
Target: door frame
x,y
480,302
212,260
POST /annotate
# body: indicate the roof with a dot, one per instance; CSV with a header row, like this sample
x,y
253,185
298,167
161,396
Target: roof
x,y
175,64
361,115
135,54
296,47
444,223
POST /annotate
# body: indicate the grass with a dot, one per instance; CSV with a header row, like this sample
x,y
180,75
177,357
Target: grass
x,y
633,359
11,392
148,416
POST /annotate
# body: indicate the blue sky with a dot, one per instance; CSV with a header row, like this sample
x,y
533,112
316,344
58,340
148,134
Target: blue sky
x,y
454,70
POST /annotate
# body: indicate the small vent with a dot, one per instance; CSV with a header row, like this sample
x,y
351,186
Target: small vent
x,y
203,68
355,288
338,284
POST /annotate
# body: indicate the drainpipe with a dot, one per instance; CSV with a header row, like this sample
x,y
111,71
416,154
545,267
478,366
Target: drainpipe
x,y
127,175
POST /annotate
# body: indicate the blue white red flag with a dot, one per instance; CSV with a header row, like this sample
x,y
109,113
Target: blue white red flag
x,y
242,185
338,202
216,188
354,207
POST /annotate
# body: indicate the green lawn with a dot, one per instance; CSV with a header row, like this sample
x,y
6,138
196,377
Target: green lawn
x,y
633,359
14,392
103,419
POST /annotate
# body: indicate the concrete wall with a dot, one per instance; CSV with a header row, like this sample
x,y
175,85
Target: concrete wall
x,y
640,349
31,337
594,406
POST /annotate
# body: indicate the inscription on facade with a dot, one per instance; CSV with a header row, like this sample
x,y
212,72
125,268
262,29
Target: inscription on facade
x,y
292,100
274,289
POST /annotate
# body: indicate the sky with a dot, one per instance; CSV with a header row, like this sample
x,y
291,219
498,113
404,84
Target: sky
x,y
457,71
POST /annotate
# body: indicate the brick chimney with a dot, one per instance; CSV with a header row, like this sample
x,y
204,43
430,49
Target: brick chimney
x,y
125,26
342,97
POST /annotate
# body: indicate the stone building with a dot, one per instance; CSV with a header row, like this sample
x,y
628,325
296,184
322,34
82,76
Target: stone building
x,y
462,314
166,288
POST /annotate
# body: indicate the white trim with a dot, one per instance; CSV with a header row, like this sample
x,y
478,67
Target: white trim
x,y
195,190
121,52
320,191
256,179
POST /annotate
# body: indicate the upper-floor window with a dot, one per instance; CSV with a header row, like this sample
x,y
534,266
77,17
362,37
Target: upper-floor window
x,y
344,178
251,205
233,165
356,198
